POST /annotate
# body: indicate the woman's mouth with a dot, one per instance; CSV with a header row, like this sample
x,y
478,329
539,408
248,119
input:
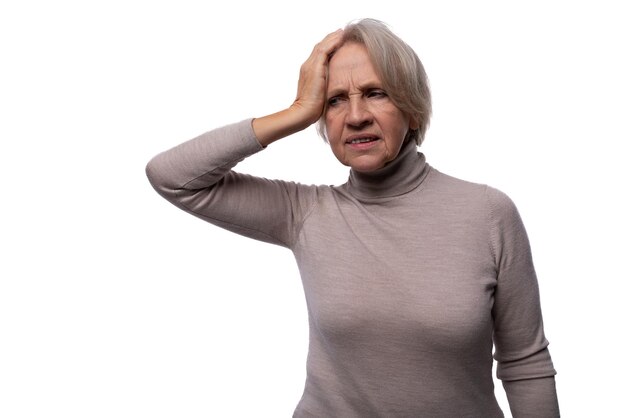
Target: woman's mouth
x,y
362,141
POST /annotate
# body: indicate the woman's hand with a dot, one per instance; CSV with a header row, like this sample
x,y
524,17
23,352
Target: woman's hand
x,y
310,98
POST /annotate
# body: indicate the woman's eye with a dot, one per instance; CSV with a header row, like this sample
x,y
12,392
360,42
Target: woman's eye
x,y
376,94
333,101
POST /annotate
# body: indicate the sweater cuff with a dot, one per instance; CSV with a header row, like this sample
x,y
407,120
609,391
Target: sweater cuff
x,y
251,135
532,398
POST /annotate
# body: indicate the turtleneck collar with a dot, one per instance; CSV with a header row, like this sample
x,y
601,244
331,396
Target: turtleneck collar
x,y
405,173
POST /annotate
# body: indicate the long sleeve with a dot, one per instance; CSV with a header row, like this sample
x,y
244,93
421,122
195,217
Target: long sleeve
x,y
197,177
524,363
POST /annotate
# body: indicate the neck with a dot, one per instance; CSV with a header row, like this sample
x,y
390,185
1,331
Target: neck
x,y
403,174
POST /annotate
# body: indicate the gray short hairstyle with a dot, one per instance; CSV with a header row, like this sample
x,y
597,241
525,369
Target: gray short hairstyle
x,y
399,68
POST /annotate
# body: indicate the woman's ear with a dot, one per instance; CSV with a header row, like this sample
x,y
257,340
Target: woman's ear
x,y
414,122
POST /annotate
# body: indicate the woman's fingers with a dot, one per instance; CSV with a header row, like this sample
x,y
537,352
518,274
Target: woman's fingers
x,y
311,94
326,47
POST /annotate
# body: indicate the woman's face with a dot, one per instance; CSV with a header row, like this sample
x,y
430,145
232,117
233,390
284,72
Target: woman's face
x,y
364,127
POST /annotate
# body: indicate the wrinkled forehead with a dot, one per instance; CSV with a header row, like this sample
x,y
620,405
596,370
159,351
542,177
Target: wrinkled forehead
x,y
350,64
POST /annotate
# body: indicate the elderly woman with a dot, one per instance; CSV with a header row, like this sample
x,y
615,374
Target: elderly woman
x,y
411,276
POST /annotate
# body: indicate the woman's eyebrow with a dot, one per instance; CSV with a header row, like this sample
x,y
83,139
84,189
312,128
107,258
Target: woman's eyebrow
x,y
367,86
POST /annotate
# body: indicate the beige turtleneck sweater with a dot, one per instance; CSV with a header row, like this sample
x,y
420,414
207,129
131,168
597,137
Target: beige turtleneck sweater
x,y
411,276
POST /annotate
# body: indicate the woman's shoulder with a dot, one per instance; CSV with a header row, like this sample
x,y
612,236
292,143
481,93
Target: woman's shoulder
x,y
447,185
471,193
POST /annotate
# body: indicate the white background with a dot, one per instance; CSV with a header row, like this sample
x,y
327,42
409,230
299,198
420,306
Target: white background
x,y
113,303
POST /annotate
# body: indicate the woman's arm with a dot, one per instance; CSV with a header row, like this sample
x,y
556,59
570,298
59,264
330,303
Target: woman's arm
x,y
524,363
197,177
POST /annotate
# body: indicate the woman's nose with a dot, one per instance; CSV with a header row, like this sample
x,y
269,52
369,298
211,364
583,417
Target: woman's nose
x,y
359,114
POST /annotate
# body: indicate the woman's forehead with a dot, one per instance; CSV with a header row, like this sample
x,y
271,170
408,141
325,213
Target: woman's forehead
x,y
351,65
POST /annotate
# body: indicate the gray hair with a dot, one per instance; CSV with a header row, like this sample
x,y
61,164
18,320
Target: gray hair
x,y
401,72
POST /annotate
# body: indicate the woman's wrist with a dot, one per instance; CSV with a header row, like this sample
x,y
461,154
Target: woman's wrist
x,y
278,125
